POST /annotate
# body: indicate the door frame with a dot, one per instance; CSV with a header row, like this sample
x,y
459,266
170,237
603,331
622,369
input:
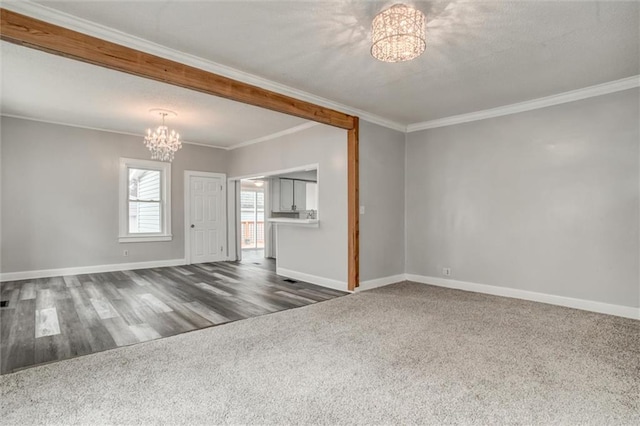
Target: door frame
x,y
188,174
237,218
265,175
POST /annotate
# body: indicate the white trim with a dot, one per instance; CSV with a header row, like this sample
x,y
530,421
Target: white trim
x,y
123,198
315,166
232,251
84,26
118,132
94,269
313,279
187,211
145,238
560,98
380,282
285,132
570,302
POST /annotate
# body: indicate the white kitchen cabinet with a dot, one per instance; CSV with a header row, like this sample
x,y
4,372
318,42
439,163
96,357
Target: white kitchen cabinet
x,y
299,194
286,195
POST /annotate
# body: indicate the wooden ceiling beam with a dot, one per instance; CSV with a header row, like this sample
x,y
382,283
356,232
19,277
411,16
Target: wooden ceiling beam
x,y
41,35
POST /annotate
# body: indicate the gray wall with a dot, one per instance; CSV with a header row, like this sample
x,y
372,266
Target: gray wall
x,y
546,200
320,251
382,158
60,196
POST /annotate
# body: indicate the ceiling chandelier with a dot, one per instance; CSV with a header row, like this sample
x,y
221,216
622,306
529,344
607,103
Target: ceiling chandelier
x,y
398,34
162,143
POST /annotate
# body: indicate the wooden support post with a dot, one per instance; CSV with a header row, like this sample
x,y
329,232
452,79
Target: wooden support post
x,y
354,204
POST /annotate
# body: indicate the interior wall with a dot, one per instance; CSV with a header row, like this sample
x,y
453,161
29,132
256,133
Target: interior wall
x,y
317,251
544,201
60,196
382,170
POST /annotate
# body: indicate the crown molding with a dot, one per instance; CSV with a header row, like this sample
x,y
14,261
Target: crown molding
x,y
56,17
99,129
285,132
560,98
265,138
62,19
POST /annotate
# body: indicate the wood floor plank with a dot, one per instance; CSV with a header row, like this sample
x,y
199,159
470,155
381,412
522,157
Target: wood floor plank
x,y
104,308
98,336
20,341
45,299
206,266
139,280
47,323
7,287
154,303
185,317
144,332
14,298
28,291
71,281
128,311
120,331
79,338
182,270
83,306
212,289
206,313
110,291
224,277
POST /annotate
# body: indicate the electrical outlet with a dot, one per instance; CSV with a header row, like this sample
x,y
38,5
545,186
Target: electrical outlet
x,y
361,209
125,253
446,272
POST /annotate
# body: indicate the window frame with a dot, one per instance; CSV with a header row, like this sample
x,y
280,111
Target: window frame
x,y
124,236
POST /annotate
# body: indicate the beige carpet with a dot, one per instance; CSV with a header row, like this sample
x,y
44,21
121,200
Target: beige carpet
x,y
403,354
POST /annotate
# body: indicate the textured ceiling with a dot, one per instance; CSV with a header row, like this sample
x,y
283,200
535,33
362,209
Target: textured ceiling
x,y
46,87
479,54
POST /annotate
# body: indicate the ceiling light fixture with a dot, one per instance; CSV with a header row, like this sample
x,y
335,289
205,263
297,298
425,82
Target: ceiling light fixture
x,y
398,34
162,143
258,183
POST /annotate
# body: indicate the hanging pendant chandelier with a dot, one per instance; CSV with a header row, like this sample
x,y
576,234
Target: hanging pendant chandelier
x,y
163,143
398,34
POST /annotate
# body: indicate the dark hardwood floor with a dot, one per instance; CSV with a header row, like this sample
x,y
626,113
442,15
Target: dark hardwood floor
x,y
51,319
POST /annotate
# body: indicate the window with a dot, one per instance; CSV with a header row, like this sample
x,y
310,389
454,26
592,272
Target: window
x,y
145,201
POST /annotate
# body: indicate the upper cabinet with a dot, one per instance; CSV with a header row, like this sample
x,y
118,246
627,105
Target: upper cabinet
x,y
286,195
297,195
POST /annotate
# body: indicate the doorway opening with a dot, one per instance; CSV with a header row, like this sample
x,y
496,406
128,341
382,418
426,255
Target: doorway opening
x,y
252,219
267,202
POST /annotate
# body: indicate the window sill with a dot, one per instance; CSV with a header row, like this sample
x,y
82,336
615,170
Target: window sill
x,y
144,238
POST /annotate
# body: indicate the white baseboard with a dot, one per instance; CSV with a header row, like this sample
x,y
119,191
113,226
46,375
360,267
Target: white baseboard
x,y
586,305
313,279
380,282
94,269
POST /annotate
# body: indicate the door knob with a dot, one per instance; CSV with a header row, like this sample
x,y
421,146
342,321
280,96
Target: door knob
x,y
192,225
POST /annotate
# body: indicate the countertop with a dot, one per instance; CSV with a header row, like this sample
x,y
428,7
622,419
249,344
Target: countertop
x,y
291,221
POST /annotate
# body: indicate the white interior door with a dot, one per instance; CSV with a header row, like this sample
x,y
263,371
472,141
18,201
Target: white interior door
x,y
207,221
